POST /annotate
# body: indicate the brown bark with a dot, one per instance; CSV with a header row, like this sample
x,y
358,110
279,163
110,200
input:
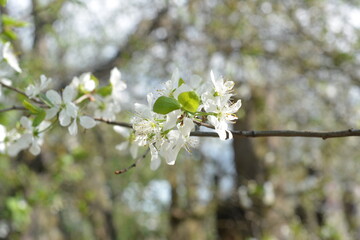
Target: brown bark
x,y
235,221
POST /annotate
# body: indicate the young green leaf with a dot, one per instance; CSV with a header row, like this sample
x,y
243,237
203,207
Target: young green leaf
x,y
31,107
39,118
189,101
12,22
180,82
164,105
45,99
105,90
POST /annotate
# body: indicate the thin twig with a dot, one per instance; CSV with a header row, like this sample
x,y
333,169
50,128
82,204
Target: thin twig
x,y
20,92
134,164
284,133
122,124
13,108
272,133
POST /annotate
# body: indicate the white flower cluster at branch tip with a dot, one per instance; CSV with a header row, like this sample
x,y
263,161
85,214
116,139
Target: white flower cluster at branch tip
x,y
45,107
10,57
165,124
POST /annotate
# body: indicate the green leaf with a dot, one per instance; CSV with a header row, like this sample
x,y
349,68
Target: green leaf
x,y
39,118
95,79
3,3
180,82
12,22
31,107
189,101
9,35
105,90
164,105
45,99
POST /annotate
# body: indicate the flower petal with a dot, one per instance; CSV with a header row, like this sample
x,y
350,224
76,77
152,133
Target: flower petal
x,y
71,109
50,113
64,119
221,133
73,129
123,131
155,163
35,148
188,125
235,107
54,97
69,94
26,123
212,76
87,122
134,150
171,119
115,80
122,146
2,133
10,57
13,149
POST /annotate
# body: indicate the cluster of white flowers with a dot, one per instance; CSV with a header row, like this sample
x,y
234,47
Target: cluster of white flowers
x,y
48,107
164,125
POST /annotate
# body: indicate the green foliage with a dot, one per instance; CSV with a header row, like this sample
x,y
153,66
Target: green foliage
x,y
189,101
39,118
39,113
20,212
105,90
31,107
180,82
45,99
164,105
3,2
8,21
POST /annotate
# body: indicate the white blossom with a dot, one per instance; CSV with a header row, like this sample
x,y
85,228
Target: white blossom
x,y
105,107
222,110
68,110
172,87
10,57
84,81
3,134
221,87
118,86
31,137
129,144
34,89
68,115
85,121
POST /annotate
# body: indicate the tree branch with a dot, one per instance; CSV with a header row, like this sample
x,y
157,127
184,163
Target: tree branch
x,y
20,92
253,134
284,133
122,124
13,108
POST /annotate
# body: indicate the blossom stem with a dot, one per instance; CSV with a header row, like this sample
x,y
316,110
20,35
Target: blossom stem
x,y
84,97
134,164
49,127
122,124
20,108
20,92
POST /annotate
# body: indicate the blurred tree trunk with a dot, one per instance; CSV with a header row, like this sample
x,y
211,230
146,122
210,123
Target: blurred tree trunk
x,y
186,216
236,220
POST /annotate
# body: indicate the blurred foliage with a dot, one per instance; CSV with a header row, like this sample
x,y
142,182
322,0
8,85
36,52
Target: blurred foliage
x,y
295,64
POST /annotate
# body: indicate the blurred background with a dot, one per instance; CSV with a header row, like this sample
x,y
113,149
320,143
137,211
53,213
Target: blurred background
x,y
296,67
